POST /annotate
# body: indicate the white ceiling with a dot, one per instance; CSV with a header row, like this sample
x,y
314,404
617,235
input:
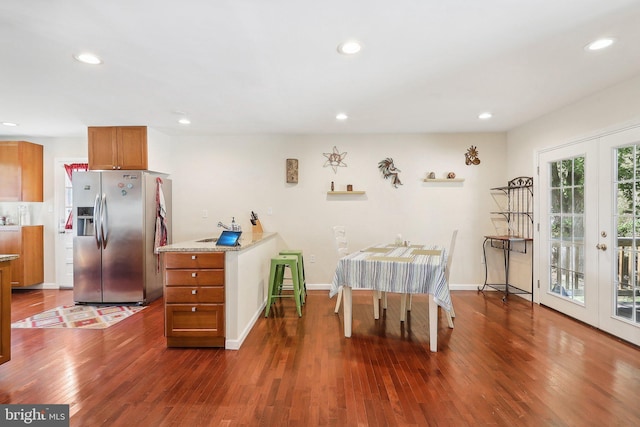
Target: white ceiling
x,y
271,66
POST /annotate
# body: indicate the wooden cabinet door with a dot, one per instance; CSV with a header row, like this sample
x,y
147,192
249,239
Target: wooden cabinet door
x,y
11,243
9,172
32,255
132,147
5,311
31,162
27,242
197,320
21,171
103,148
118,147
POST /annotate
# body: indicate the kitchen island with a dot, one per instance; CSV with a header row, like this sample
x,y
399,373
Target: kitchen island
x,y
213,295
5,307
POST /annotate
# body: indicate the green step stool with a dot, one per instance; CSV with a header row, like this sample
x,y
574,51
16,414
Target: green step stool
x,y
303,280
276,277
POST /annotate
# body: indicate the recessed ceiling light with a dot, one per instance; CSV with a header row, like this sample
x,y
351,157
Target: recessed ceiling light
x,y
88,58
9,124
349,47
485,116
184,121
599,44
341,116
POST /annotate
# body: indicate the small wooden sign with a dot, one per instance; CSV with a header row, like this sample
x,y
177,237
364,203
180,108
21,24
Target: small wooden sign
x,y
292,171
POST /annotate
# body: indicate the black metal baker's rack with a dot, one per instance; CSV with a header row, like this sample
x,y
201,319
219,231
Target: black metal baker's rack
x,y
518,235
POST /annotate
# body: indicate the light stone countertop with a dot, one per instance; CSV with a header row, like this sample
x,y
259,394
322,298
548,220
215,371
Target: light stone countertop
x,y
8,257
246,241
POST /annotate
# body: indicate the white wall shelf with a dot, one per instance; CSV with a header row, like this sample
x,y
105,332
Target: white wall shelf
x,y
336,193
444,180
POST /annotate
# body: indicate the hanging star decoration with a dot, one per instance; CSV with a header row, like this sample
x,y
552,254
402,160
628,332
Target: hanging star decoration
x,y
335,159
471,156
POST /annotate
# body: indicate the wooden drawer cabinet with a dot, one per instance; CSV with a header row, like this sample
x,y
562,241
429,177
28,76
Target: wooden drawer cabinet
x,y
195,260
194,299
194,295
195,325
118,147
195,277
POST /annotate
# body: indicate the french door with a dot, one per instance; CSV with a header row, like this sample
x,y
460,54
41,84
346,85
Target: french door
x,y
619,209
589,240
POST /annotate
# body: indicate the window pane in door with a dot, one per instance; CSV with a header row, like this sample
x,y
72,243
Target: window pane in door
x,y
566,231
627,225
625,163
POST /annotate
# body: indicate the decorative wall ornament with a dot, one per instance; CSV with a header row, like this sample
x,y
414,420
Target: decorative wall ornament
x,y
389,171
334,159
292,171
471,156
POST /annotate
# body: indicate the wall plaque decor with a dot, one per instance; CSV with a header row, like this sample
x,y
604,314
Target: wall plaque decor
x,y
292,171
334,159
471,156
389,171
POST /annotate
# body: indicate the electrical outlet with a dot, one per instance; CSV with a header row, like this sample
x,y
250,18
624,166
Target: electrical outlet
x,y
312,258
205,213
269,211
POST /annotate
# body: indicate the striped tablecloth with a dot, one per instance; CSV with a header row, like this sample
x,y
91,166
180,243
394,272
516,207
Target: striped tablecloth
x,y
389,268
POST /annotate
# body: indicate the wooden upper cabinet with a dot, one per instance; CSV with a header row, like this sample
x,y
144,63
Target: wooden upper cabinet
x,y
118,147
20,171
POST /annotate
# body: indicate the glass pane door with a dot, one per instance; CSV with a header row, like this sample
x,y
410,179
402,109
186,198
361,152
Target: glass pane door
x,y
566,223
619,234
627,225
567,206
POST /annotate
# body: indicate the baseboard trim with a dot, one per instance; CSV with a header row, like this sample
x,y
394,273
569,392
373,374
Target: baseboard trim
x,y
230,344
42,286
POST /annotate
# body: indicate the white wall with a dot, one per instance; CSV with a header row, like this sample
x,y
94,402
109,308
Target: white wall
x,y
611,109
230,175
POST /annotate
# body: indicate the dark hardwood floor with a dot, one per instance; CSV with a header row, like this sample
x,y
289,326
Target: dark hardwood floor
x,y
508,364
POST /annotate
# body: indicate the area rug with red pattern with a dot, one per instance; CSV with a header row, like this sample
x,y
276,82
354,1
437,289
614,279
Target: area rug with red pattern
x,y
79,316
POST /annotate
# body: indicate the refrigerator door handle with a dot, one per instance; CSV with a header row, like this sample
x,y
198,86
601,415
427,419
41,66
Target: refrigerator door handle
x,y
104,221
96,221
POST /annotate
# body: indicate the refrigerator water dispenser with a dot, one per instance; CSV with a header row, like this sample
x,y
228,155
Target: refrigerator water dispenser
x,y
85,221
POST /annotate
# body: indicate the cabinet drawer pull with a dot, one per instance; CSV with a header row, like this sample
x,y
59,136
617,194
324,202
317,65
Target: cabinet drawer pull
x,y
194,274
194,291
194,257
193,309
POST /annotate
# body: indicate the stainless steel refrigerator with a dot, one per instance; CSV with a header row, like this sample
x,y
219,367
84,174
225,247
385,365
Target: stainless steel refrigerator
x,y
115,216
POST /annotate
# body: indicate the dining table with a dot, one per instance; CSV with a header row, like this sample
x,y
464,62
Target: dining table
x,y
396,268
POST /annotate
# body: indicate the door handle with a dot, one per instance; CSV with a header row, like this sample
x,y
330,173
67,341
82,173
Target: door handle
x,y
104,221
96,221
601,246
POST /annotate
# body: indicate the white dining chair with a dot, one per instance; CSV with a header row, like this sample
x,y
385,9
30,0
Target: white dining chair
x,y
342,248
450,314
